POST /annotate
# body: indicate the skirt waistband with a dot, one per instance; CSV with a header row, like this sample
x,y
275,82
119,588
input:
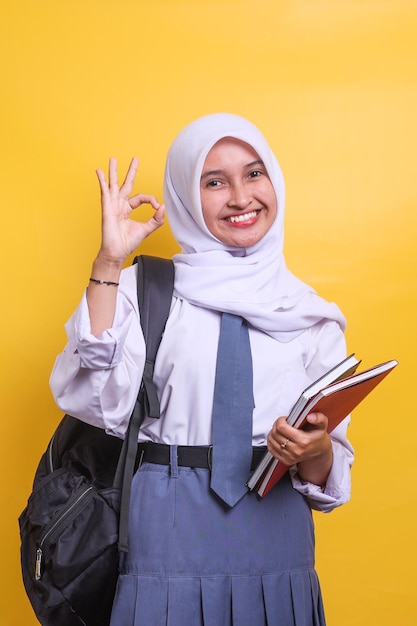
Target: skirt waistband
x,y
188,456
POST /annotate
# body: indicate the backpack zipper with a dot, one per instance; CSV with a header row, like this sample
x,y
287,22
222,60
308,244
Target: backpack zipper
x,y
74,505
51,443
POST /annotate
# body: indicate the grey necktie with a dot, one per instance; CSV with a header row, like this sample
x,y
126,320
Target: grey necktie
x,y
232,411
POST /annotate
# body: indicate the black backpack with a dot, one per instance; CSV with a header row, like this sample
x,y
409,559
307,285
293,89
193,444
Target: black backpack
x,y
75,522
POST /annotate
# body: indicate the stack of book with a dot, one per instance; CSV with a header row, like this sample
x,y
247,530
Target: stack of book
x,y
335,394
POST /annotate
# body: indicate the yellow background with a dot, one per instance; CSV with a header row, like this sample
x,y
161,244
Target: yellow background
x,y
333,85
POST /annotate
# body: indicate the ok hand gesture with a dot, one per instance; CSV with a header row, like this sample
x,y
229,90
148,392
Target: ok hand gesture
x,y
120,234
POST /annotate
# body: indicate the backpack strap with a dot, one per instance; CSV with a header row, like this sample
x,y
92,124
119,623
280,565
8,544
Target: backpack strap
x,y
155,287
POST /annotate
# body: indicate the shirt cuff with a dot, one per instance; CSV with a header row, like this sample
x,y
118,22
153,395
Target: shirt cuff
x,y
338,485
104,351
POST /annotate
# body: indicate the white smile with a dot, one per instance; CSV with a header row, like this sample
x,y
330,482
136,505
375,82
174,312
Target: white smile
x,y
242,218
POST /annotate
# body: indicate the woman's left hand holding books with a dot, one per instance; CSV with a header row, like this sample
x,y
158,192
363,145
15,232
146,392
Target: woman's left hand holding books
x,y
310,448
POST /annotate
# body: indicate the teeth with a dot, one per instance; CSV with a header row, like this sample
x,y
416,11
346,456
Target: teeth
x,y
242,218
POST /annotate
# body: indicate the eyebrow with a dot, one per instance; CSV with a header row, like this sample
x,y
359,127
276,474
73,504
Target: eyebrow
x,y
217,172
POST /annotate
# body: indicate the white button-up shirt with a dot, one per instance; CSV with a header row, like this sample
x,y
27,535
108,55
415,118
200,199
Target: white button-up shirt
x,y
97,379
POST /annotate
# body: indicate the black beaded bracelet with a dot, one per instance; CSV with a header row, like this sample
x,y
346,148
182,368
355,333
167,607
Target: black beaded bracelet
x,y
103,282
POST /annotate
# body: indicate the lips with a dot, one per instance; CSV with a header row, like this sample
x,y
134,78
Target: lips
x,y
243,218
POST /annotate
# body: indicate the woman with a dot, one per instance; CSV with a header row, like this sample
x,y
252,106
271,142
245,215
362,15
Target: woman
x,y
194,557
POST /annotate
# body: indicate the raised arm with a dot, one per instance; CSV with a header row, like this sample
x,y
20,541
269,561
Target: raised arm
x,y
119,238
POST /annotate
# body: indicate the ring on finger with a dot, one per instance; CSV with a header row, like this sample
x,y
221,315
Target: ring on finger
x,y
284,445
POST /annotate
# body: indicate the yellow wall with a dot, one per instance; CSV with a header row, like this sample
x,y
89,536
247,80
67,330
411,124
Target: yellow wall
x,y
332,83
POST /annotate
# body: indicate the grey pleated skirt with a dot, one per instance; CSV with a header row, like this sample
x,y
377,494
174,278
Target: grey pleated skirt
x,y
192,562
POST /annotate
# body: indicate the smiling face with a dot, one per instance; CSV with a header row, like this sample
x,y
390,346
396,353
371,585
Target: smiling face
x,y
237,197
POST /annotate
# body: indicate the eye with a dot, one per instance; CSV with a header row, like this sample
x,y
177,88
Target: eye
x,y
213,183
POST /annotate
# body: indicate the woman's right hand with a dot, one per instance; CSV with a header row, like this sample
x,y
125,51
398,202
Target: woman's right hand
x,y
120,234
120,237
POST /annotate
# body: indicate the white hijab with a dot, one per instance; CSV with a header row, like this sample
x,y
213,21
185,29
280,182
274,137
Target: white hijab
x,y
253,282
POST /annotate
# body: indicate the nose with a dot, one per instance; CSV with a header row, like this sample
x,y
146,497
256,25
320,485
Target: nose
x,y
239,198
